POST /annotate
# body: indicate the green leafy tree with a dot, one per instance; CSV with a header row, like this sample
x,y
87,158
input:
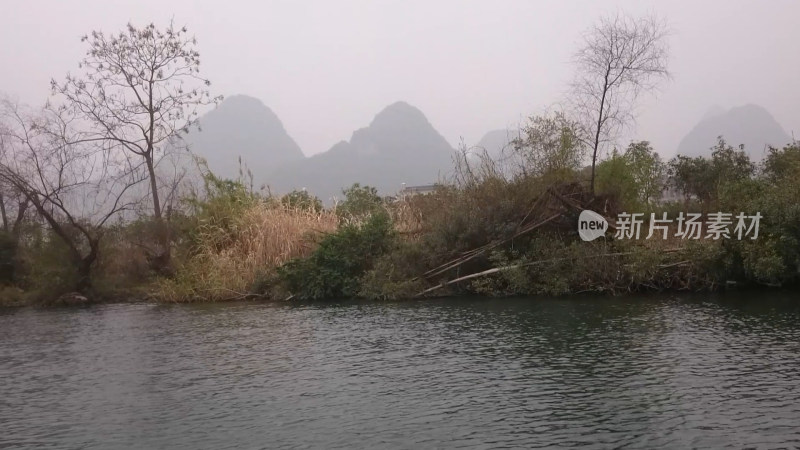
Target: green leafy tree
x,y
549,145
359,202
709,180
615,178
302,200
636,177
692,177
730,165
647,171
782,164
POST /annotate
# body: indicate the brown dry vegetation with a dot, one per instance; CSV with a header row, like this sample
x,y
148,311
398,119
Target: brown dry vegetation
x,y
265,236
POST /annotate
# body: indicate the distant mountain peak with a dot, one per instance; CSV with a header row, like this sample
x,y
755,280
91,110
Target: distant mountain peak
x,y
399,129
401,107
241,99
750,125
750,108
248,108
243,126
400,114
399,146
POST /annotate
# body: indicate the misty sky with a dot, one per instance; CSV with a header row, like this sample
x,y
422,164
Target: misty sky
x,y
327,67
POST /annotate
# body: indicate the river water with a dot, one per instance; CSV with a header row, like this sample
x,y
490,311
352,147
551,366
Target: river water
x,y
652,372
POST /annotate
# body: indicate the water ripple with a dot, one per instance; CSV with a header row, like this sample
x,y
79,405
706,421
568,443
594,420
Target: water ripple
x,y
518,373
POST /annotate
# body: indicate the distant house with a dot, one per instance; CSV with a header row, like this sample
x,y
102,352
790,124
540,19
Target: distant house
x,y
415,190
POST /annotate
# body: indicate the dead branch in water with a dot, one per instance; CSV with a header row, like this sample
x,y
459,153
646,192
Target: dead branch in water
x,y
481,250
533,263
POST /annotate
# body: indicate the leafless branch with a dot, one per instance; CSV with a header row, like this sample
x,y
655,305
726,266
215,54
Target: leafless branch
x,y
620,58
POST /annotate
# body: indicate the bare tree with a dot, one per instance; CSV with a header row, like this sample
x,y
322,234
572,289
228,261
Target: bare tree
x,y
621,57
139,89
75,184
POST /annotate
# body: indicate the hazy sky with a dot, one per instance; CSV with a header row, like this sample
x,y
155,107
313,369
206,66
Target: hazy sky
x,y
327,67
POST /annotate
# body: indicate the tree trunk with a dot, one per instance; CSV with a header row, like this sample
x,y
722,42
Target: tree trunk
x,y
599,129
22,207
85,267
597,137
160,261
3,211
84,276
153,186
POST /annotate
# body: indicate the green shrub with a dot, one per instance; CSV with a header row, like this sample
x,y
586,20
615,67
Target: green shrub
x,y
359,203
635,177
396,274
335,268
49,270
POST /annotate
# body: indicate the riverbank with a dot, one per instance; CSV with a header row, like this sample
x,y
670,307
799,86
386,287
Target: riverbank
x,y
486,232
15,299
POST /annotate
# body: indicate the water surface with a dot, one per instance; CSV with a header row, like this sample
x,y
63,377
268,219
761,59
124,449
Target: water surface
x,y
664,372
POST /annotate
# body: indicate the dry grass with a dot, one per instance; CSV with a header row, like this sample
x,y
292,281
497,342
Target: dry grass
x,y
407,214
262,238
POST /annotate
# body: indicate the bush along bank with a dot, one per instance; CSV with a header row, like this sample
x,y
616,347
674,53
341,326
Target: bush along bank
x,y
495,234
498,227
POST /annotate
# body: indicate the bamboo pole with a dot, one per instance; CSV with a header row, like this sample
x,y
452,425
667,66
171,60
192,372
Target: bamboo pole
x,y
532,263
480,250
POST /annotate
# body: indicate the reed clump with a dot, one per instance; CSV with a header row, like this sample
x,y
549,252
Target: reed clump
x,y
231,259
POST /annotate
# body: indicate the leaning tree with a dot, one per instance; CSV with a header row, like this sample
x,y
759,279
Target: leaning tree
x,y
74,183
139,90
620,58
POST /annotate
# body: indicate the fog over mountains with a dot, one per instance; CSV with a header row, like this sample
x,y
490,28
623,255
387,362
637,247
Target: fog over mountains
x,y
497,141
400,146
750,125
